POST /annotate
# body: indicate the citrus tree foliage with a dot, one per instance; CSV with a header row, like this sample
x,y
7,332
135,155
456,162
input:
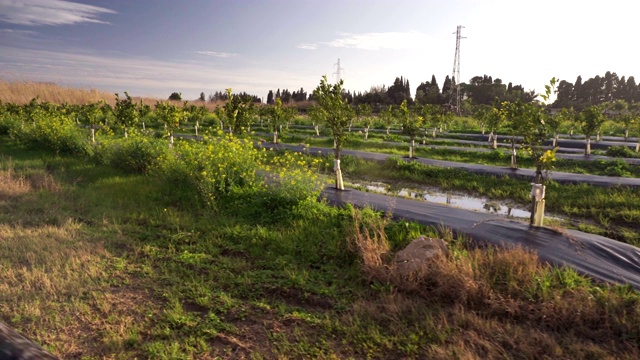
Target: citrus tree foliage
x,y
125,112
386,117
634,110
527,120
171,116
49,127
334,111
276,116
237,112
622,115
481,114
591,120
411,124
90,115
143,111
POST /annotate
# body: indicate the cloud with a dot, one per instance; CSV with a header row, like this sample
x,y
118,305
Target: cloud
x,y
308,46
139,75
378,41
17,32
50,12
217,54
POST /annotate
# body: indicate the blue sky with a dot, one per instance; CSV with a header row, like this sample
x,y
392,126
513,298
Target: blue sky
x,y
155,47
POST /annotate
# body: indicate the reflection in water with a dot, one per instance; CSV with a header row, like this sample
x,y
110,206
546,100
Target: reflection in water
x,y
459,200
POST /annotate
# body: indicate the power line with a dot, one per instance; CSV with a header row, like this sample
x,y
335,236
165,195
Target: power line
x,y
338,73
456,69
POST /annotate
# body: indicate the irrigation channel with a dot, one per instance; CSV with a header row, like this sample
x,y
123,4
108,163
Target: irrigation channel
x,y
451,198
596,256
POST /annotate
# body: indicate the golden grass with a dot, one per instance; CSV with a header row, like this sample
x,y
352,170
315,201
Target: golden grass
x,y
21,92
496,299
59,285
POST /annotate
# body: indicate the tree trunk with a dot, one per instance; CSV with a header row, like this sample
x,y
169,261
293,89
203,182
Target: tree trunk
x,y
495,142
598,136
587,150
482,127
143,126
366,133
555,140
514,165
171,139
490,136
534,204
571,133
196,129
638,146
411,148
317,130
626,134
336,168
388,128
433,133
125,133
275,137
93,135
221,125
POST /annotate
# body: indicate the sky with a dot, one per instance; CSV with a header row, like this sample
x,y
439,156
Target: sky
x,y
156,47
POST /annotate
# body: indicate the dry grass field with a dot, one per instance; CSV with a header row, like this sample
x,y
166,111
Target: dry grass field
x,y
21,92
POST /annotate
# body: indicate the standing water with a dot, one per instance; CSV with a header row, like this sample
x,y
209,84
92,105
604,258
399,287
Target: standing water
x,y
454,199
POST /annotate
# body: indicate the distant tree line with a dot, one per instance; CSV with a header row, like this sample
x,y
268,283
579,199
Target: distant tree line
x,y
480,90
224,96
286,96
597,90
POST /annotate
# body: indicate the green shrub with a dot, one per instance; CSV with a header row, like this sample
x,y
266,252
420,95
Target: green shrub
x,y
135,154
53,131
620,151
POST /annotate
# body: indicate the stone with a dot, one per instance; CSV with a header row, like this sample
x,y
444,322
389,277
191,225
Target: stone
x,y
419,254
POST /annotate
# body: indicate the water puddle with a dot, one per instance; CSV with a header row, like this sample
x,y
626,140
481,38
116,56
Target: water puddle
x,y
454,199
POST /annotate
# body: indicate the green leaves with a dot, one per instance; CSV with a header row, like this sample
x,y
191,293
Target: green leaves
x,y
333,110
169,114
411,123
125,111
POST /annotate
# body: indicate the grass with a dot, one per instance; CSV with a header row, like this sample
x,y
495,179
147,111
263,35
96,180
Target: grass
x,y
494,158
611,212
97,263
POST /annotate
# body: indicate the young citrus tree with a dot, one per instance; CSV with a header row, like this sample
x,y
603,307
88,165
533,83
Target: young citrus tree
x,y
494,118
411,124
171,116
634,110
622,116
125,112
237,112
481,114
275,117
591,120
90,115
334,111
363,116
386,116
143,111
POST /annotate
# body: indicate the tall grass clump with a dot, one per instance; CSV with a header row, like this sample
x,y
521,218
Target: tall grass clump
x,y
506,285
